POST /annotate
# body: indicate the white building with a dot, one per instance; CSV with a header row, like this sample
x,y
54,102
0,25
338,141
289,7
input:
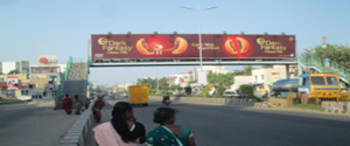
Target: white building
x,y
216,69
62,67
182,79
202,77
20,66
269,75
7,67
241,80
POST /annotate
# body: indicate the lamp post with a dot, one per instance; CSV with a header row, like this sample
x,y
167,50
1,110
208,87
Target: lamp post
x,y
199,29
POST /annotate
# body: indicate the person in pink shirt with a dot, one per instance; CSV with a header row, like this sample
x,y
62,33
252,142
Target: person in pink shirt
x,y
122,130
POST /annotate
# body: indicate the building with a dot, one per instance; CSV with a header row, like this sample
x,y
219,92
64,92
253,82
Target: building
x,y
263,78
7,67
183,79
23,67
269,75
241,80
216,69
47,70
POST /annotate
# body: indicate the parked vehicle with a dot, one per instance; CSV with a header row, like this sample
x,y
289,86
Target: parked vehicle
x,y
282,87
320,86
37,93
230,93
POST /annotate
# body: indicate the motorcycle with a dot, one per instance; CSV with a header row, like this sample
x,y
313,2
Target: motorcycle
x,y
166,100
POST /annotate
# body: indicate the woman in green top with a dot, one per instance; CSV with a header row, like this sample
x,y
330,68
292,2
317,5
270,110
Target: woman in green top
x,y
167,133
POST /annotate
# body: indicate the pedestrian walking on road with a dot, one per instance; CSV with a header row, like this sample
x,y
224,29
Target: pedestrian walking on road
x,y
97,108
77,104
167,133
122,130
67,104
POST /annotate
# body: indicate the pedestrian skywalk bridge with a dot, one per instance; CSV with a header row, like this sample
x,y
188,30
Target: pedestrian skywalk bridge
x,y
319,66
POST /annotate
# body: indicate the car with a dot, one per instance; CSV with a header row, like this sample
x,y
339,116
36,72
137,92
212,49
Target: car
x,y
230,94
37,93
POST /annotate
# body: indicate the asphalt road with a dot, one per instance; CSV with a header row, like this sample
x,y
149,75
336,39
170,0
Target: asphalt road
x,y
229,126
33,125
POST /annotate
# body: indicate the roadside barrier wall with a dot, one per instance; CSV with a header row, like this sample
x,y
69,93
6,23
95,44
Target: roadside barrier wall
x,y
211,100
336,107
79,135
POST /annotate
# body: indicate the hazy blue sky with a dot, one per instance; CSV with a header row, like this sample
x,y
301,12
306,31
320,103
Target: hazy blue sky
x,y
29,28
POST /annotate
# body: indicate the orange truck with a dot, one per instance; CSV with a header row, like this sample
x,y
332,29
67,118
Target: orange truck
x,y
138,95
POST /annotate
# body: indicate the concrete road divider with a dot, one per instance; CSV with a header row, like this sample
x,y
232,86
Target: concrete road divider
x,y
209,100
79,135
336,107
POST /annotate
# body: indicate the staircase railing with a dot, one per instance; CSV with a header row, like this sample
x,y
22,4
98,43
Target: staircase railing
x,y
59,94
319,64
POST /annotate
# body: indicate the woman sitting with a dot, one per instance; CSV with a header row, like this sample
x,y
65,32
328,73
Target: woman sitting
x,y
122,130
167,133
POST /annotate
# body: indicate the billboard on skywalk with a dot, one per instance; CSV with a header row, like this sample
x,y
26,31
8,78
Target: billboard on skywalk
x,y
160,46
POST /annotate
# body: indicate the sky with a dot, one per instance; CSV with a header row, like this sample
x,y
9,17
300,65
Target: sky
x,y
30,28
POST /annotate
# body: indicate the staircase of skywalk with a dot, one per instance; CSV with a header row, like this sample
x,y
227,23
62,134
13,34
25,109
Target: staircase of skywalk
x,y
318,65
73,82
76,82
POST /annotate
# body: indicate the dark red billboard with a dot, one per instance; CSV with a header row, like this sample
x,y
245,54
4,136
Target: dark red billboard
x,y
128,46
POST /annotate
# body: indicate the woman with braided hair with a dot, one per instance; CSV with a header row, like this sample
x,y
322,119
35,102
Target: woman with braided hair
x,y
122,130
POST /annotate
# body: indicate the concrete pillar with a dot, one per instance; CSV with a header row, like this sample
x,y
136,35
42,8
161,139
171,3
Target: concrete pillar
x,y
287,71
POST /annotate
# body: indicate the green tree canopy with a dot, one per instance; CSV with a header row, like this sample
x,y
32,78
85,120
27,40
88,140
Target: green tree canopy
x,y
13,72
220,90
154,84
246,71
246,90
206,91
220,79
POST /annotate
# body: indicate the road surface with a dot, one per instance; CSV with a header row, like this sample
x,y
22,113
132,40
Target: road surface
x,y
33,124
228,126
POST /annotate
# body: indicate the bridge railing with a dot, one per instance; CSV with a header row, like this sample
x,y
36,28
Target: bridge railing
x,y
59,94
318,63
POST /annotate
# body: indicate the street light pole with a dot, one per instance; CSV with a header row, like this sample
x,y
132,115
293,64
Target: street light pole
x,y
200,37
199,31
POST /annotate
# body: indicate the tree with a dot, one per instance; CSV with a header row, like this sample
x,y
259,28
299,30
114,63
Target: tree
x,y
13,72
206,91
179,88
246,91
246,71
163,83
155,84
222,81
220,90
225,80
